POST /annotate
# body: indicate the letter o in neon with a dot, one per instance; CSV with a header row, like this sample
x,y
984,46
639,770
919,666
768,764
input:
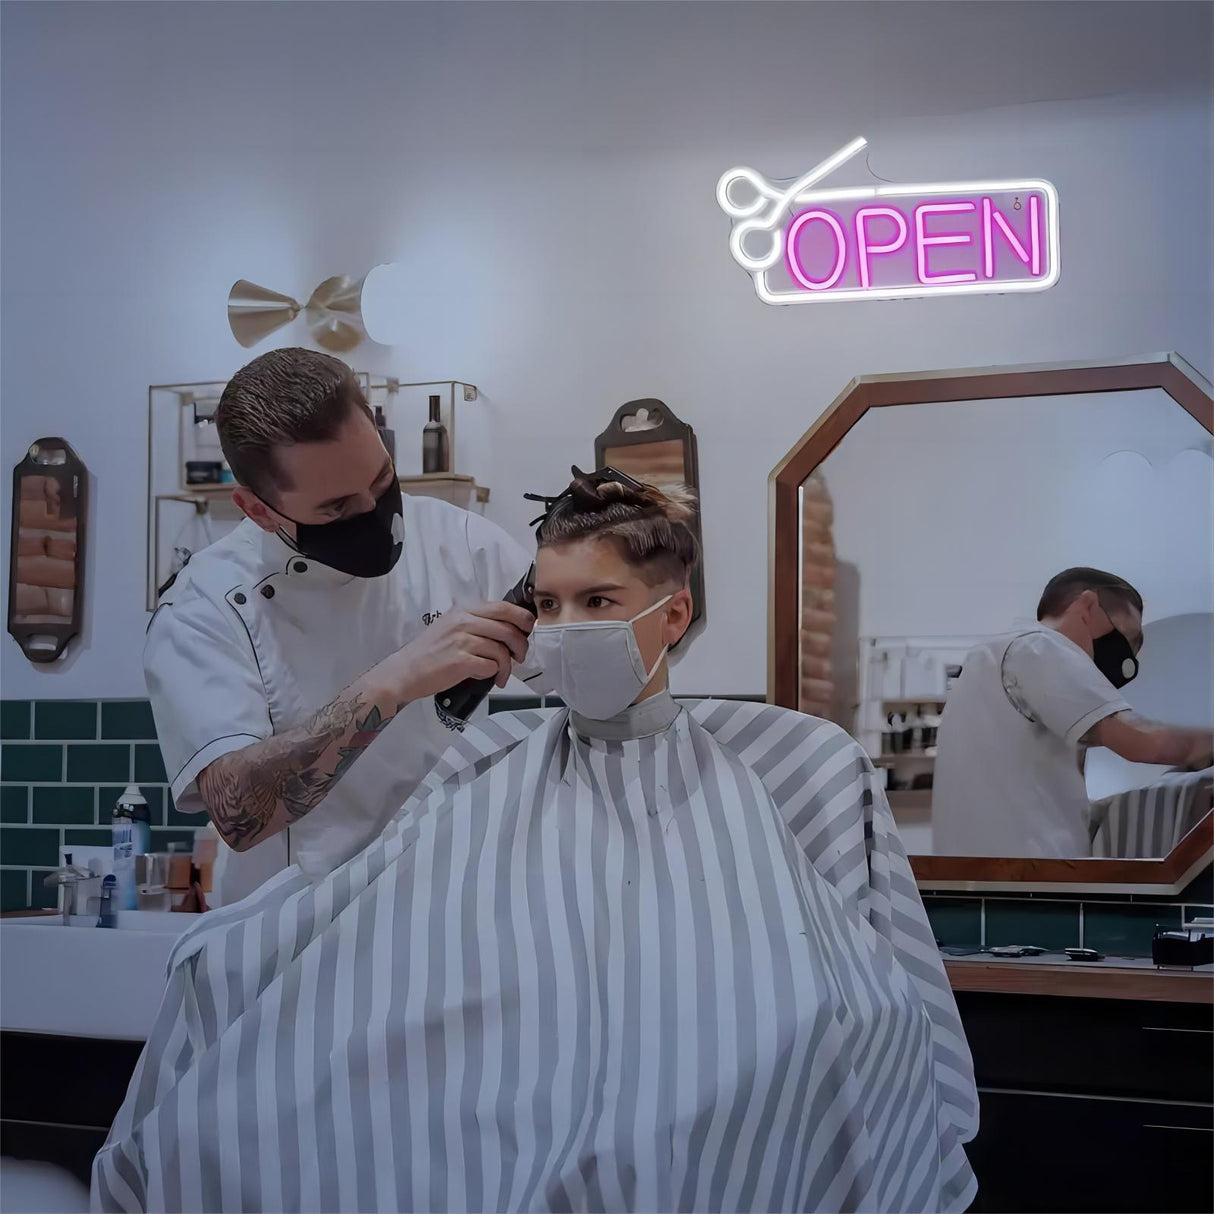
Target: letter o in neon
x,y
794,260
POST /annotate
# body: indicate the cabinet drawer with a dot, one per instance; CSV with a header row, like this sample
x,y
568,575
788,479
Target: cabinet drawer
x,y
1162,1051
64,1080
69,1147
1048,1153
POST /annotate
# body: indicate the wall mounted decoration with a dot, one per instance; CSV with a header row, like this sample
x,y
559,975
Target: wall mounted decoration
x,y
647,441
335,311
802,244
46,554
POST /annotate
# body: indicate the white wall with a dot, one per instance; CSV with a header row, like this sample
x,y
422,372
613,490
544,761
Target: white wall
x,y
547,173
956,515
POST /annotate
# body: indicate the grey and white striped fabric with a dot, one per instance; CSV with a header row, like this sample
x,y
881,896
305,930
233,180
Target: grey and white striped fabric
x,y
686,971
1150,821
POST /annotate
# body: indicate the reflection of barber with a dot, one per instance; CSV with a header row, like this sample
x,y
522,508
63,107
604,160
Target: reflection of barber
x,y
1009,779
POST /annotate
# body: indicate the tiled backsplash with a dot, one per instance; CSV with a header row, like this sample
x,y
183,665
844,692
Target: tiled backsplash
x,y
1118,925
65,762
63,765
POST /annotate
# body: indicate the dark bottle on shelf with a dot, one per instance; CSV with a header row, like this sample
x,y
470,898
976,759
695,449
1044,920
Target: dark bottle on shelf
x,y
387,437
435,456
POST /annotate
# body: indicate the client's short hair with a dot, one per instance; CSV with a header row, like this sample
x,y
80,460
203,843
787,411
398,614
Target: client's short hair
x,y
648,526
1064,588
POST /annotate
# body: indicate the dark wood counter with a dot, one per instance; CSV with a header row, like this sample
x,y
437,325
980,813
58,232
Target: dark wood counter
x,y
1114,978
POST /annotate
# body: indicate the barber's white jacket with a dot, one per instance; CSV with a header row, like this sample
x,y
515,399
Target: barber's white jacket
x,y
252,639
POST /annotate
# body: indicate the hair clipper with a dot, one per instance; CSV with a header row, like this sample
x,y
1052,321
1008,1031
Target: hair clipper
x,y
458,703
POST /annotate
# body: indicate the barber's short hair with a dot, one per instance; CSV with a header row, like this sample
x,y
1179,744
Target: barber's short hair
x,y
281,398
648,526
1064,588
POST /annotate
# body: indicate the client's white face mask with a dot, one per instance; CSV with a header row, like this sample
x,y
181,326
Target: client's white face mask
x,y
596,666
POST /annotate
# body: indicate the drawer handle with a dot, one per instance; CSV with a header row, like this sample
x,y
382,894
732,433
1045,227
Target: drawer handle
x,y
1151,1028
1196,1129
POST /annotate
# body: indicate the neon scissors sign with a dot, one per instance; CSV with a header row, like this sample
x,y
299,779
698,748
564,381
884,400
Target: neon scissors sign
x,y
801,244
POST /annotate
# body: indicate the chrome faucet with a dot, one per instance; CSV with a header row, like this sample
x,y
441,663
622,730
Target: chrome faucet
x,y
68,879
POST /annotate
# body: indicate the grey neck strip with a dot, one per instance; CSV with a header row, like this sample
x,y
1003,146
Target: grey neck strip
x,y
642,720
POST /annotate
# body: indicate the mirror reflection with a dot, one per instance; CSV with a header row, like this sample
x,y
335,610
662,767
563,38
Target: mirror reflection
x,y
1009,603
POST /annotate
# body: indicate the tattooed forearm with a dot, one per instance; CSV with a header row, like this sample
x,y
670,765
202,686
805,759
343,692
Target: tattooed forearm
x,y
254,793
1142,741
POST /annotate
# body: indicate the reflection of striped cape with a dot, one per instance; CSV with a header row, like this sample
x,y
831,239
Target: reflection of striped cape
x,y
1150,821
689,972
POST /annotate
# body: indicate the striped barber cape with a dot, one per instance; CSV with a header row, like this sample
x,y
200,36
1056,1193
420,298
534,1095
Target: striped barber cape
x,y
686,968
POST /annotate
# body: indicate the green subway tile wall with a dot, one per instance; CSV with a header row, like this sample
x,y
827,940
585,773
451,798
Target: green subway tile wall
x,y
64,763
15,719
1050,925
15,803
127,719
59,805
63,766
61,719
957,922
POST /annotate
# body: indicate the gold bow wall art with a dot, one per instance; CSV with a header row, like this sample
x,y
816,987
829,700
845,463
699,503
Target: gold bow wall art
x,y
334,311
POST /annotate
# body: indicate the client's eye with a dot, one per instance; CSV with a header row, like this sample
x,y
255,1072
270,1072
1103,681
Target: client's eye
x,y
546,605
595,601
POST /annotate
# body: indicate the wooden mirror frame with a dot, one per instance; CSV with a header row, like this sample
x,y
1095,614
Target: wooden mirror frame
x,y
1186,386
43,640
666,428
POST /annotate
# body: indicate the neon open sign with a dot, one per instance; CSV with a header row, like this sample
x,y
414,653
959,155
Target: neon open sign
x,y
801,244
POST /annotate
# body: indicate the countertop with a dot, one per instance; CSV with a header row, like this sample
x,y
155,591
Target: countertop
x,y
1113,978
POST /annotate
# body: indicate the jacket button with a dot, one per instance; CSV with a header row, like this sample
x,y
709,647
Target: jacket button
x,y
267,592
239,600
300,567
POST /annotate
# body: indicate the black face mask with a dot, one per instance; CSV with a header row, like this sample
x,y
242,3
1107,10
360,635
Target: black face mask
x,y
367,545
1114,658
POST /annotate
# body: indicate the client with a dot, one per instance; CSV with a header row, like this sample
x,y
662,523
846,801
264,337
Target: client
x,y
625,955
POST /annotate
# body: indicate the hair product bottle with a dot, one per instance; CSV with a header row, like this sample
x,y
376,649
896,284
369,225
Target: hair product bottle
x,y
387,437
434,442
132,837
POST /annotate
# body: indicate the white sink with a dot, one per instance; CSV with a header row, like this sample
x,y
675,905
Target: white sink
x,y
82,980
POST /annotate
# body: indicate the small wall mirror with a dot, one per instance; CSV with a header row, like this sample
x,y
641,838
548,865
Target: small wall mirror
x,y
908,539
648,442
46,554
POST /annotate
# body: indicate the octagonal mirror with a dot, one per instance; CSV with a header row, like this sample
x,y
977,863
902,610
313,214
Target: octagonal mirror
x,y
915,529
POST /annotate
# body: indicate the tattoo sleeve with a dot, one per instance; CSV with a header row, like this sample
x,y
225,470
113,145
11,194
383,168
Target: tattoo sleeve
x,y
254,793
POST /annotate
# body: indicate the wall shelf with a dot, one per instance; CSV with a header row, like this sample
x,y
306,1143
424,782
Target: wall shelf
x,y
909,802
208,490
449,486
907,756
185,516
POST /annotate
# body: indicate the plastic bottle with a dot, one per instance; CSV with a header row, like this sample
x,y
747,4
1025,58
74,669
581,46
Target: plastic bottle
x,y
108,916
897,732
132,836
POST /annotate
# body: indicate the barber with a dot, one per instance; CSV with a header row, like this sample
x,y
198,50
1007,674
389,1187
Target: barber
x,y
1009,769
292,665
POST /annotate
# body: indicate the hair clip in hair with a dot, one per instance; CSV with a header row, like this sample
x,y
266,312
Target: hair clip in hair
x,y
549,506
601,476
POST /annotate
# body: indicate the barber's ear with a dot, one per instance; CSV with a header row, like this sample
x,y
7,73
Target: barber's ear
x,y
678,617
254,508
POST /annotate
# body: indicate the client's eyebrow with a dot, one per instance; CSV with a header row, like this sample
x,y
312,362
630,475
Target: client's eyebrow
x,y
605,588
